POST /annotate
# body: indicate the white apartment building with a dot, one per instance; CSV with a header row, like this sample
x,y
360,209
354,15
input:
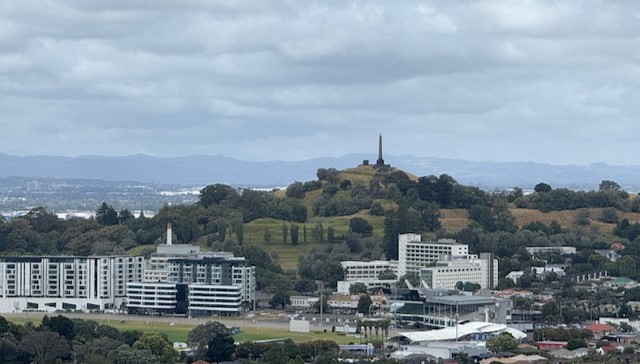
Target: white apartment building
x,y
50,283
450,270
415,254
357,271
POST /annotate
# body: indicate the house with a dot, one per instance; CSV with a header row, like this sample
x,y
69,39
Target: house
x,y
620,282
610,254
607,349
569,354
600,330
515,275
551,345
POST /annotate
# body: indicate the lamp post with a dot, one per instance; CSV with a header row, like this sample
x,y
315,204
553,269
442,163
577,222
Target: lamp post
x,y
320,288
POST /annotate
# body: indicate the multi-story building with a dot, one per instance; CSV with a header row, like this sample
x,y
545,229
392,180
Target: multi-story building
x,y
357,271
49,283
367,273
450,270
180,279
415,254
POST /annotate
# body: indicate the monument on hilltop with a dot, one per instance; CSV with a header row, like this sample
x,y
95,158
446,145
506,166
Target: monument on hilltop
x,y
380,161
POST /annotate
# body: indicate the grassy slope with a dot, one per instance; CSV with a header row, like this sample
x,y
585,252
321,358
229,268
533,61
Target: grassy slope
x,y
287,254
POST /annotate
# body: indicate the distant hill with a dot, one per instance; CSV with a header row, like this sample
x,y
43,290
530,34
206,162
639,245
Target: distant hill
x,y
206,169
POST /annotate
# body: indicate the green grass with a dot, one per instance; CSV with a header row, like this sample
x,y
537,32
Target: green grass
x,y
179,331
286,254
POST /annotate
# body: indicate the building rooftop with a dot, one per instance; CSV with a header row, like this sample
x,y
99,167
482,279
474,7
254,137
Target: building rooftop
x,y
461,330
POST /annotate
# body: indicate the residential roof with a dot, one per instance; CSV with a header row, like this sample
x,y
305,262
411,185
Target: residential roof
x,y
599,327
449,333
516,359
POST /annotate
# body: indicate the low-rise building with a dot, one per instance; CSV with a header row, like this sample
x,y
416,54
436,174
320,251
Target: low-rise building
x,y
536,251
303,302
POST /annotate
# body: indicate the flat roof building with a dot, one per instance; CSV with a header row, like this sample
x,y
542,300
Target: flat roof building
x,y
415,254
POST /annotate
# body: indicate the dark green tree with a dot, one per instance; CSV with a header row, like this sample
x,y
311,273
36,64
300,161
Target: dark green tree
x,y
358,288
542,187
364,303
285,233
219,194
213,342
280,298
293,232
106,215
330,234
360,226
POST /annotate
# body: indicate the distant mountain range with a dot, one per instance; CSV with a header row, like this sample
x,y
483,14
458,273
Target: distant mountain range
x,y
198,170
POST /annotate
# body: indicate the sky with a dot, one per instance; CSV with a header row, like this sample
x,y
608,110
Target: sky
x,y
543,81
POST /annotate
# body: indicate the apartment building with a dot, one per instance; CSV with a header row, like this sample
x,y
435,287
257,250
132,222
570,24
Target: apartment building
x,y
179,279
415,254
50,283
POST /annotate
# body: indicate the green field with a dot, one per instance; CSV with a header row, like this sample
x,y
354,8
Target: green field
x,y
286,254
179,331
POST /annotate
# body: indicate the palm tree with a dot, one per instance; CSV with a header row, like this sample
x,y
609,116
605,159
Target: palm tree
x,y
376,326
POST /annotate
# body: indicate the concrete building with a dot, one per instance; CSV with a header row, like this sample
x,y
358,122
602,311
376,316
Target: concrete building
x,y
366,272
450,270
182,280
415,254
536,251
50,283
358,271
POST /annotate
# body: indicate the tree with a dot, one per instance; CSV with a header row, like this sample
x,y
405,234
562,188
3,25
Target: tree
x,y
357,288
411,277
627,266
364,303
317,232
330,234
107,215
128,355
285,232
60,324
214,342
609,215
501,343
542,187
280,298
45,347
582,217
266,235
429,216
124,216
157,345
575,343
218,194
294,234
360,226
608,186
295,190
387,274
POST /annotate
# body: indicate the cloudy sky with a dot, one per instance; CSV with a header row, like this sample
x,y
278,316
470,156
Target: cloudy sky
x,y
543,81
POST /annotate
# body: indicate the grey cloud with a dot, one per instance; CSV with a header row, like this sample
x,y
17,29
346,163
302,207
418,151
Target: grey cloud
x,y
547,81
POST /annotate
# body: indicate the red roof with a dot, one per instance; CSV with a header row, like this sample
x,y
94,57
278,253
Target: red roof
x,y
608,348
600,328
200,361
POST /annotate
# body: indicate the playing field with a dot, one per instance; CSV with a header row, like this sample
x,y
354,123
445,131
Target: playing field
x,y
177,331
